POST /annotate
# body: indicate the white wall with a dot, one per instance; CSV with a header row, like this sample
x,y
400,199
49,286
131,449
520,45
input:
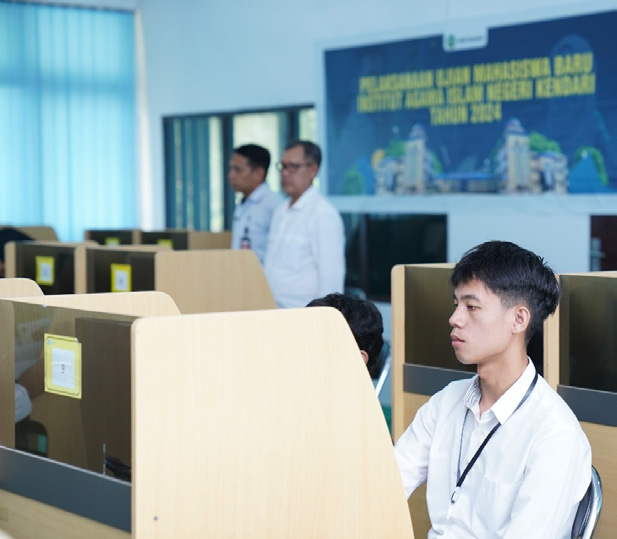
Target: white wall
x,y
220,55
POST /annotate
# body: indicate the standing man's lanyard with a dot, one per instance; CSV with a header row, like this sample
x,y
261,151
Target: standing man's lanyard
x,y
461,478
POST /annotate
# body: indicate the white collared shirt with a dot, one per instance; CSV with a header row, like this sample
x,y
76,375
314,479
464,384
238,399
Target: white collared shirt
x,y
528,480
254,216
305,258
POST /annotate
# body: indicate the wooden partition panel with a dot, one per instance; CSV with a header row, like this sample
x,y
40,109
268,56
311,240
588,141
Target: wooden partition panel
x,y
76,429
213,280
152,303
37,232
421,306
181,239
27,518
114,237
22,326
201,239
583,352
69,262
15,287
259,424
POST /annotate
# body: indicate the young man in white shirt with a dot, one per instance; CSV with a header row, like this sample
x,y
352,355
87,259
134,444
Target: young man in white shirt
x,y
248,168
305,257
502,455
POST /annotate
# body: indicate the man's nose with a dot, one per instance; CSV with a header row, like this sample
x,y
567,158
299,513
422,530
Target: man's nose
x,y
455,318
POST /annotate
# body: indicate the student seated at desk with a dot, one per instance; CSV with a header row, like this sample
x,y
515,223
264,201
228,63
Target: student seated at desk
x,y
502,455
365,322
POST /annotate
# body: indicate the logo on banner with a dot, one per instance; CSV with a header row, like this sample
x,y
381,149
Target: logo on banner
x,y
458,41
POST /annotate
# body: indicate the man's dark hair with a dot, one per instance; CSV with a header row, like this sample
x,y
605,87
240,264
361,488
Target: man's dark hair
x,y
258,156
515,275
312,153
364,320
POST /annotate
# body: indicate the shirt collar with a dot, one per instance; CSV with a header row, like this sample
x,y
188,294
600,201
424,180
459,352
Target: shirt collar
x,y
508,402
304,199
258,193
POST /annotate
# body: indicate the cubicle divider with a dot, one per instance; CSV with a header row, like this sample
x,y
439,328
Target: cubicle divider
x,y
584,354
577,355
276,430
180,239
58,268
66,494
198,280
43,233
423,361
232,436
113,237
16,287
106,375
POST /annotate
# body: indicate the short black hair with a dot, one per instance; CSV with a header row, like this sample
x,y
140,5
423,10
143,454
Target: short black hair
x,y
258,156
515,275
312,152
8,234
364,319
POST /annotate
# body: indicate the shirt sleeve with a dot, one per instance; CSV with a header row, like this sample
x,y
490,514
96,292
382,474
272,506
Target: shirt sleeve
x,y
557,475
412,449
328,246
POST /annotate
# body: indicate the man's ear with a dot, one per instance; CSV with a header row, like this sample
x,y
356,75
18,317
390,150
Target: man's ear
x,y
364,356
522,317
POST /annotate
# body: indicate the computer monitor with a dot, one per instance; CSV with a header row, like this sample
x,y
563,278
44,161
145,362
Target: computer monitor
x,y
112,237
52,266
175,239
111,270
377,242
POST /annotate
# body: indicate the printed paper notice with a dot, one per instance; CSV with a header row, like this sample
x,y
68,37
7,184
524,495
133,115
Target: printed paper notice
x,y
63,365
121,278
165,242
111,240
45,270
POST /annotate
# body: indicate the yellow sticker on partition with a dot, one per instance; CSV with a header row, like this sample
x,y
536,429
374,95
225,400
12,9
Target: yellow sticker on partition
x,y
121,278
165,242
112,240
62,365
45,270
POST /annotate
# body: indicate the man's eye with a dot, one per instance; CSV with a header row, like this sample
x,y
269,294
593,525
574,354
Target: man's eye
x,y
471,307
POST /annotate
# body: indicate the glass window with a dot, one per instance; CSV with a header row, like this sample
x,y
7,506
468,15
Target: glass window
x,y
268,129
197,151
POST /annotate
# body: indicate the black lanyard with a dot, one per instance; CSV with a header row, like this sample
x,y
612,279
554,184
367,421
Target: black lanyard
x,y
462,477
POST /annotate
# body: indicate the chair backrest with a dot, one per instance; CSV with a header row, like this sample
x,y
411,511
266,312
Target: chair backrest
x,y
588,512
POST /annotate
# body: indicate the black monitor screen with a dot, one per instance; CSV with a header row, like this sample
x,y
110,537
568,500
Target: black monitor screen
x,y
111,237
51,266
99,269
376,243
177,240
588,336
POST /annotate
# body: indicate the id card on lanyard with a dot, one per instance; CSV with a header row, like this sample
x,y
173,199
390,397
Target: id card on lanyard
x,y
460,478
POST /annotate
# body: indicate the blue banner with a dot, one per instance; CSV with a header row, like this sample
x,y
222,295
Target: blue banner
x,y
528,108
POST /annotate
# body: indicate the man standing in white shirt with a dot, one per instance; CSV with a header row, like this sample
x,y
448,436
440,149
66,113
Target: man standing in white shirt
x,y
248,168
502,455
305,258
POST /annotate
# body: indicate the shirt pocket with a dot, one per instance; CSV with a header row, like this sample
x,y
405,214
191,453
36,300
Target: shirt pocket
x,y
493,507
295,251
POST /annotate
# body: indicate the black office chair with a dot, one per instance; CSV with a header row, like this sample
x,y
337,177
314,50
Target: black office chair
x,y
588,512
